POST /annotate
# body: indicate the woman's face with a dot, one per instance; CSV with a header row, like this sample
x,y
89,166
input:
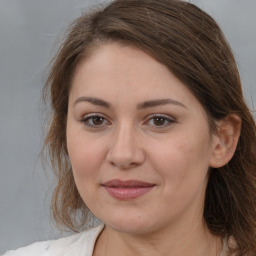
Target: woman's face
x,y
138,141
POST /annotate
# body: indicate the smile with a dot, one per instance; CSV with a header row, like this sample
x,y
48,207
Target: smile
x,y
127,190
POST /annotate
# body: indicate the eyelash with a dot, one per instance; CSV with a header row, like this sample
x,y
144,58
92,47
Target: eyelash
x,y
86,119
167,120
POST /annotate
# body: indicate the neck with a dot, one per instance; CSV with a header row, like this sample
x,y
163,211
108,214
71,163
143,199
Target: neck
x,y
194,239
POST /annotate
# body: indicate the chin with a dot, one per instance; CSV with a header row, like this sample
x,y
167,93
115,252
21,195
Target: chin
x,y
130,228
132,225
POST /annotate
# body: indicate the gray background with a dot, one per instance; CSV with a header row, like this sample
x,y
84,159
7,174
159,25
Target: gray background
x,y
29,35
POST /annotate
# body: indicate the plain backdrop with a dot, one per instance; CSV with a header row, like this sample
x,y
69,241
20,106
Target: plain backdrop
x,y
30,32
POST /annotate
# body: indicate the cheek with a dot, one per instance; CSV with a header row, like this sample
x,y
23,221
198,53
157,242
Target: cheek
x,y
85,154
182,160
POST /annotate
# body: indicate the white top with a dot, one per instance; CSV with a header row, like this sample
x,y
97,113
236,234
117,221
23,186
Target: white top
x,y
81,244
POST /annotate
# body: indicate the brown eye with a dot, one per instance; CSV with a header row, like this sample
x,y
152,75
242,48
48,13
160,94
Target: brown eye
x,y
160,121
94,121
98,120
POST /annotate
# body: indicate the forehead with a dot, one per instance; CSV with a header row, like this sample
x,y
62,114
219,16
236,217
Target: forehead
x,y
127,73
114,57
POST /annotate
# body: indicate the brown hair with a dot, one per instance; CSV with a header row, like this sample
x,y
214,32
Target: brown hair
x,y
190,43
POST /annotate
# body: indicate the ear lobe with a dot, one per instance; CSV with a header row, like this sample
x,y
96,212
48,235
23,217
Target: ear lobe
x,y
225,142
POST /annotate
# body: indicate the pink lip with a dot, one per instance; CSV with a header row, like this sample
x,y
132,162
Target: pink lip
x,y
125,190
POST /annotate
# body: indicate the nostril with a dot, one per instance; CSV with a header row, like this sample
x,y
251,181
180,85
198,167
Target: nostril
x,y
124,166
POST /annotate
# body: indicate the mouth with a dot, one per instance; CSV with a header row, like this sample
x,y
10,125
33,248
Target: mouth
x,y
127,190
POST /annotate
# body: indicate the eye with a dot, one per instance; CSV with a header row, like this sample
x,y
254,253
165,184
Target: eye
x,y
160,121
94,120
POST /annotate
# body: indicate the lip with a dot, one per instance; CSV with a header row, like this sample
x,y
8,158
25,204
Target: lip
x,y
128,189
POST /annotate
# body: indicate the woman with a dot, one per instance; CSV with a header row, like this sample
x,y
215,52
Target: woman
x,y
150,133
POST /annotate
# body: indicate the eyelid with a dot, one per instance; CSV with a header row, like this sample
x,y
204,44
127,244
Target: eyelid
x,y
168,118
85,118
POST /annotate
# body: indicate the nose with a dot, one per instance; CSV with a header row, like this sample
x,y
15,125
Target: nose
x,y
124,151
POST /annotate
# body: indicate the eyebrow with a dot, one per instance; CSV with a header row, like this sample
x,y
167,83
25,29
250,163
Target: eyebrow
x,y
143,105
94,101
159,102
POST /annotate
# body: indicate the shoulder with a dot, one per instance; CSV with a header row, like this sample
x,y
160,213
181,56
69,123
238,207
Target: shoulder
x,y
33,249
72,245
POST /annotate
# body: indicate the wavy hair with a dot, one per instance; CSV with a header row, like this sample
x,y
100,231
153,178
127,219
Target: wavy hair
x,y
190,43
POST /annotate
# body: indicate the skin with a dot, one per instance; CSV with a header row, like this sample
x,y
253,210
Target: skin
x,y
127,142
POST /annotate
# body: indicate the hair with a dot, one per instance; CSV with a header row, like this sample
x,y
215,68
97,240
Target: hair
x,y
190,43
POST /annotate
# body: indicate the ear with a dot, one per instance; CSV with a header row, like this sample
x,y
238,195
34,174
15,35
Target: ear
x,y
225,142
